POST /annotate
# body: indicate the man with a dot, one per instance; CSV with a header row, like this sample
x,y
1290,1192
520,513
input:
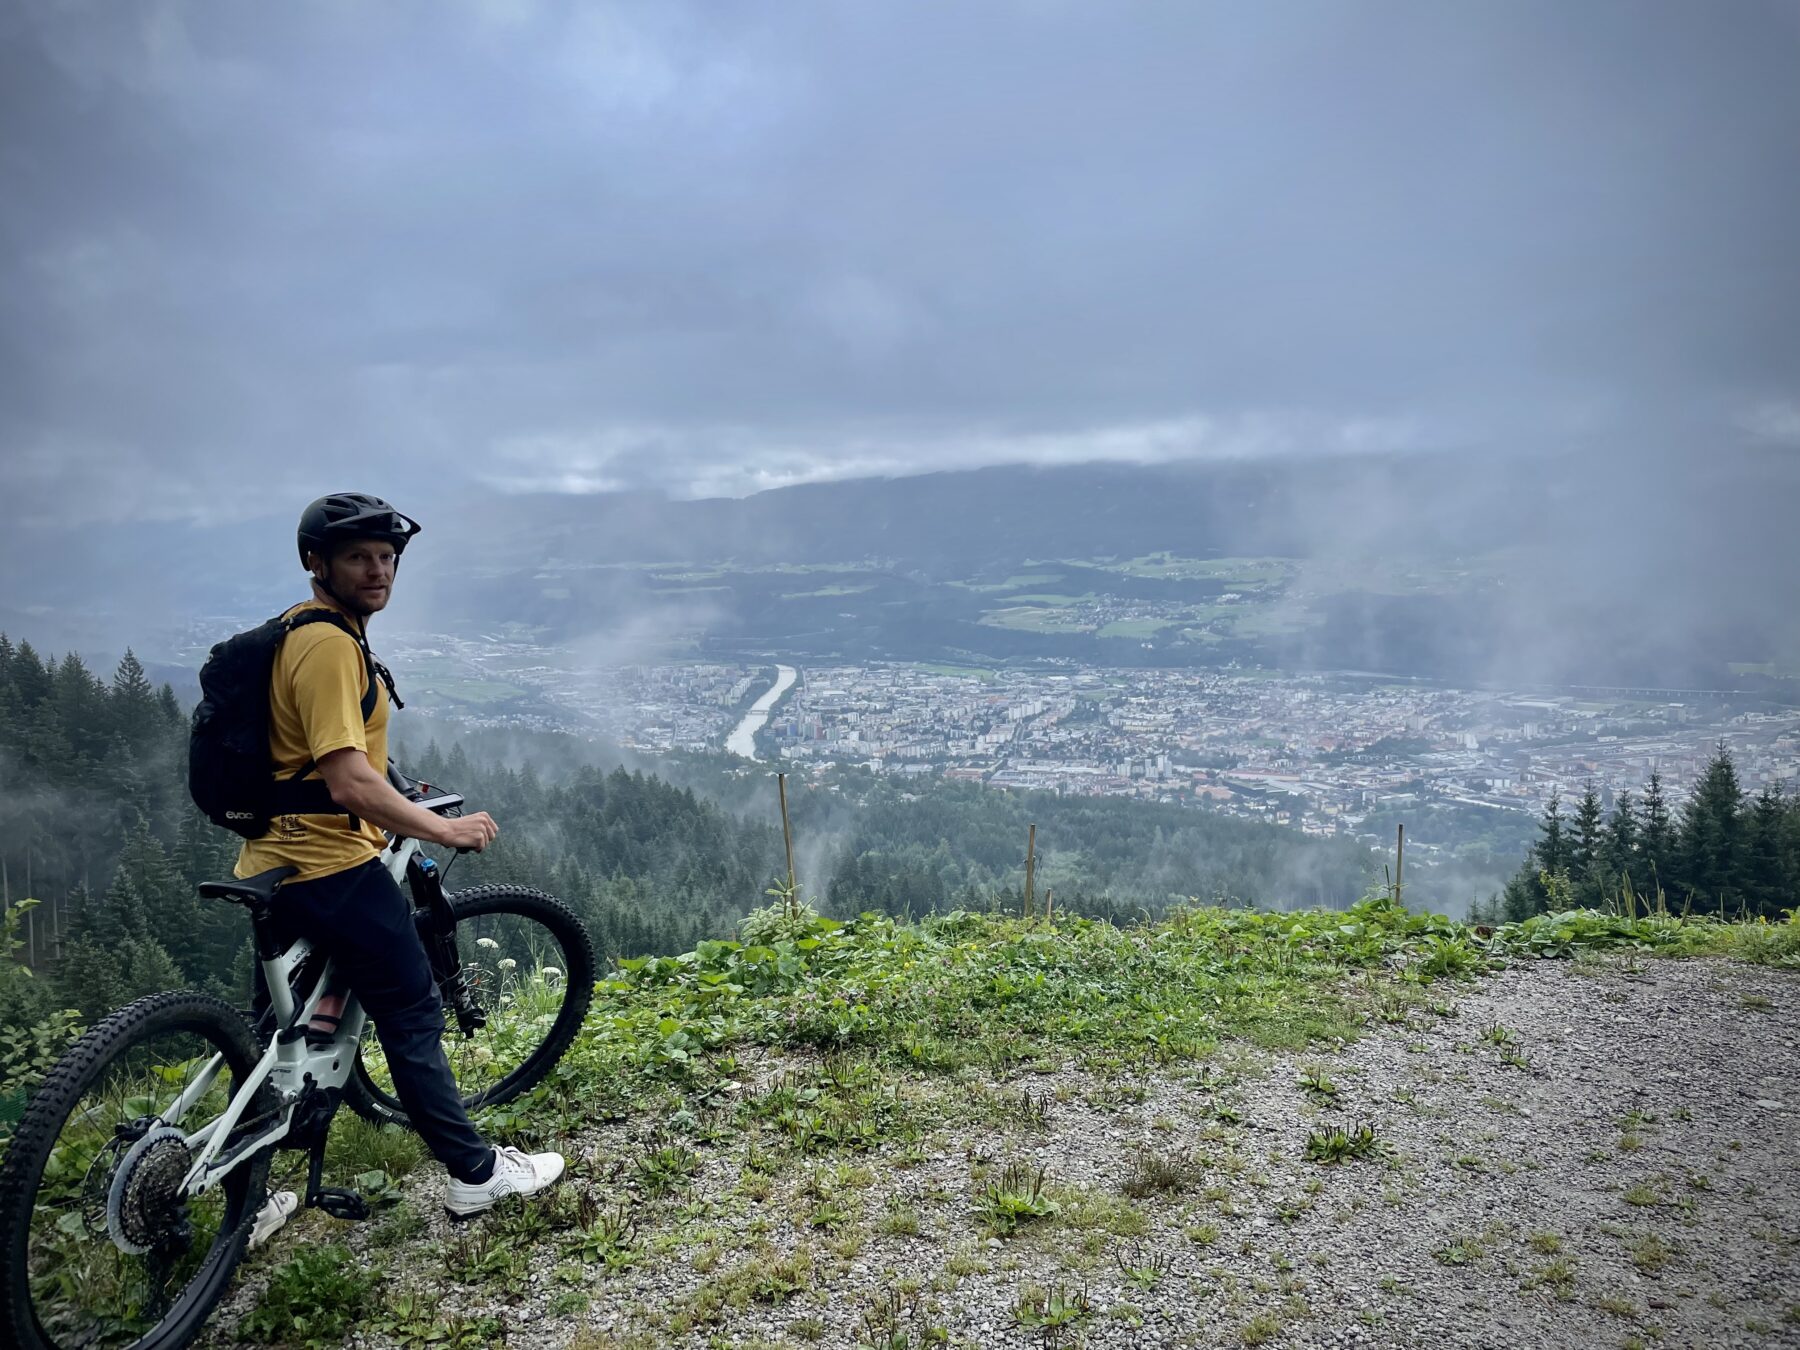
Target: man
x,y
342,897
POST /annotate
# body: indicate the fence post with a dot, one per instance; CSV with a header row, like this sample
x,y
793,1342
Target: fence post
x,y
1399,858
787,836
1030,870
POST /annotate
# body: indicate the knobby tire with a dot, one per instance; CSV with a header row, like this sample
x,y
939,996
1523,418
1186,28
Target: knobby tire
x,y
380,1106
21,1173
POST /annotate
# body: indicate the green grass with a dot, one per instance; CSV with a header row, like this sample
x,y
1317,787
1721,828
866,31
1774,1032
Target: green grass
x,y
945,991
778,1067
1134,628
469,691
314,1300
1036,619
1245,573
981,673
1053,600
992,993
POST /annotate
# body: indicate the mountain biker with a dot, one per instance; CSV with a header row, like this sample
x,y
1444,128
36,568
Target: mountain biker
x,y
343,898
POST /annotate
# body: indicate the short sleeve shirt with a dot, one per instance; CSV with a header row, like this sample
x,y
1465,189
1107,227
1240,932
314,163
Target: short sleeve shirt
x,y
315,707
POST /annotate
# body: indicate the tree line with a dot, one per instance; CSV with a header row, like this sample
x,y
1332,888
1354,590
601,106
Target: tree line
x,y
908,849
96,824
1723,852
97,827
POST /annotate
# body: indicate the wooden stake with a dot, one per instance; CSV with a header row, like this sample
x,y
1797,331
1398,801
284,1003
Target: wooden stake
x,y
787,835
1049,903
1399,858
1030,868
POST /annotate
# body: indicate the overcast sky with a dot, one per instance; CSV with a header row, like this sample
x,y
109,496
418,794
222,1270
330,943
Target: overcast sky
x,y
256,252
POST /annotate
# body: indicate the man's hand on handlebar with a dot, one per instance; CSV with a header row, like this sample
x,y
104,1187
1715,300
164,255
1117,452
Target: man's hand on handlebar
x,y
468,832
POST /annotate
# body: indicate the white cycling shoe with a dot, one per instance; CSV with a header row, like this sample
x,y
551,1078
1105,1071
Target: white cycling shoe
x,y
515,1173
272,1215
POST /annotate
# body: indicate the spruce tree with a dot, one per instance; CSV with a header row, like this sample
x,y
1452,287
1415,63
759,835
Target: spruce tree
x,y
10,707
98,978
1620,848
44,743
1656,839
134,713
30,677
170,908
1765,879
80,702
1586,859
1523,896
1553,842
1711,839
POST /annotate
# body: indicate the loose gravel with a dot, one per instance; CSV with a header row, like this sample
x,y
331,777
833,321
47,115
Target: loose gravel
x,y
1570,1154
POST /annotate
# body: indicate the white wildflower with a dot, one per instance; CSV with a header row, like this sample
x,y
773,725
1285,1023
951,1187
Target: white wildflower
x,y
489,943
507,963
483,1055
551,974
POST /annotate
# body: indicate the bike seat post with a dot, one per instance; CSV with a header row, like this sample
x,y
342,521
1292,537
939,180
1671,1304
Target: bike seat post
x,y
262,930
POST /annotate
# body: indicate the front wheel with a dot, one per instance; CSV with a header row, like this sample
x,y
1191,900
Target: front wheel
x,y
98,1245
529,963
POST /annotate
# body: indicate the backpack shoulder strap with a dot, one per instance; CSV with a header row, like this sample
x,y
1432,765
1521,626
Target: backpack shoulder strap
x,y
375,669
311,798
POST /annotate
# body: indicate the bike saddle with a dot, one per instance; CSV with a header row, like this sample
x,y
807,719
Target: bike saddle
x,y
259,889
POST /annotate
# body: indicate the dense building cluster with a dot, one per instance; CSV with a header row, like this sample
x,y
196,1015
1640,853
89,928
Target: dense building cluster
x,y
1314,751
1323,753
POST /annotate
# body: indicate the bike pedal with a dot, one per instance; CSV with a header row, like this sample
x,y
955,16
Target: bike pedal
x,y
340,1204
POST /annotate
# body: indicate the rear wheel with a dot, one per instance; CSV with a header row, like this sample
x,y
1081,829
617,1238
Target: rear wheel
x,y
529,964
98,1248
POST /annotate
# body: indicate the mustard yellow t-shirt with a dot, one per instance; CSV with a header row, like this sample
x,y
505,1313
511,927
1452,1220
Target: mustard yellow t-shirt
x,y
315,707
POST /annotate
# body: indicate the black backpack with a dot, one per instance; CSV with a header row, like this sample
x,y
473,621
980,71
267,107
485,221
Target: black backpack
x,y
231,776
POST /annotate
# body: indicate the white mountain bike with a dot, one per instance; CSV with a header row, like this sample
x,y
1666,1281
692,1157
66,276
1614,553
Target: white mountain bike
x,y
128,1191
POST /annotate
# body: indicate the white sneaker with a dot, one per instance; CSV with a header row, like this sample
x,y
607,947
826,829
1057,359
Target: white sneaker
x,y
272,1215
515,1173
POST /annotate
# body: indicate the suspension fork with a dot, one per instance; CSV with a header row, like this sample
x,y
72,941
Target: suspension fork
x,y
436,923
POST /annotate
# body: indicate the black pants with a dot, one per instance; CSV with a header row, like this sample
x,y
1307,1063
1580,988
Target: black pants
x,y
364,921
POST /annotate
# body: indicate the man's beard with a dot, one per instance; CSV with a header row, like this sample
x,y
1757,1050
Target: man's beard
x,y
349,598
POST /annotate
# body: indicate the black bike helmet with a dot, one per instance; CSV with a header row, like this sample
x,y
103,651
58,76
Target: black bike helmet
x,y
352,515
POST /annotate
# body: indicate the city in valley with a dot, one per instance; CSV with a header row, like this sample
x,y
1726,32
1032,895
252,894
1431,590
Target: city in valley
x,y
1330,753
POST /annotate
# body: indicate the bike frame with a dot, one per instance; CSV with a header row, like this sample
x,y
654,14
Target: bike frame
x,y
289,1064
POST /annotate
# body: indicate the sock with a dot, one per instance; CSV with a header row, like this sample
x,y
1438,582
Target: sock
x,y
481,1174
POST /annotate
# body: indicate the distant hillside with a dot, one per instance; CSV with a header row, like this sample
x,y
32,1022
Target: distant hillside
x,y
1633,568
1560,570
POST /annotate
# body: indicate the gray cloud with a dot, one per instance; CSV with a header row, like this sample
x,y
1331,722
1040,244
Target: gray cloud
x,y
262,251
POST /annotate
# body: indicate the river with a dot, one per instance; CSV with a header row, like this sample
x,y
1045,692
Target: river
x,y
743,740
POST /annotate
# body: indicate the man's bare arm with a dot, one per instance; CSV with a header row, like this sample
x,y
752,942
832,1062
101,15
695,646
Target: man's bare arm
x,y
355,786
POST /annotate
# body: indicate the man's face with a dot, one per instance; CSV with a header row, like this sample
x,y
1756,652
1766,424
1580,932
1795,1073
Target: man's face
x,y
361,574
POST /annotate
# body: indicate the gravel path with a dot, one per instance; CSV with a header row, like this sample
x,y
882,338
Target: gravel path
x,y
1570,1155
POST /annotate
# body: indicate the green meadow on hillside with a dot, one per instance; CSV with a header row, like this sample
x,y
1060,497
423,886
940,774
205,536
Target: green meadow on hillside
x,y
739,1119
